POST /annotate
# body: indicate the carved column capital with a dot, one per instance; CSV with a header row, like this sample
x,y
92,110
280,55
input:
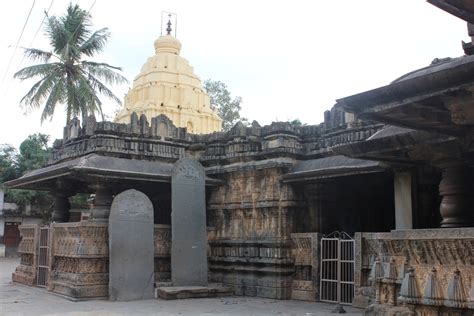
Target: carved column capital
x,y
103,200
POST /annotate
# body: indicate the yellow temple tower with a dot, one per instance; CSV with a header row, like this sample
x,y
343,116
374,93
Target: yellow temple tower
x,y
167,85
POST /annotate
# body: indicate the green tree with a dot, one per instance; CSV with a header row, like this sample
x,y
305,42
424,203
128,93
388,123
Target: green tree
x,y
33,154
64,76
228,108
296,122
8,166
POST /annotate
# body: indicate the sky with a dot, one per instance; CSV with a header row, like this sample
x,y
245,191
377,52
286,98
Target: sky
x,y
286,59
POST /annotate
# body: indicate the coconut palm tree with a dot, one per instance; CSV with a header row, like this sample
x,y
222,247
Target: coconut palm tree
x,y
64,76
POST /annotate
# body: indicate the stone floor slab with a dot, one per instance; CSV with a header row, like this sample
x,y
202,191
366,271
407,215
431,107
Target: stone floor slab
x,y
22,300
183,292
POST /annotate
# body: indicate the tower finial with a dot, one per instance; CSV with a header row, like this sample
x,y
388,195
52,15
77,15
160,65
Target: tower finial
x,y
168,29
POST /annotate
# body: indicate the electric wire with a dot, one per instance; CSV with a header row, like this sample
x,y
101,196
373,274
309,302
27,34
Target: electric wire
x,y
36,34
18,42
31,43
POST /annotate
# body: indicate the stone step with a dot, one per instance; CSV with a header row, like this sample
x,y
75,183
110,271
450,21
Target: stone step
x,y
183,292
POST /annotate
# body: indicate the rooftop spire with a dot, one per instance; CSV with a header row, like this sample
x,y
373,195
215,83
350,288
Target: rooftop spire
x,y
168,29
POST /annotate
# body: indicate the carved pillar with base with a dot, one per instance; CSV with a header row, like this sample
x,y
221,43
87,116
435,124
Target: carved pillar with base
x,y
455,188
61,207
102,202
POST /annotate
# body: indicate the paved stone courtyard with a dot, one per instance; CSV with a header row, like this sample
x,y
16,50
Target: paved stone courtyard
x,y
21,300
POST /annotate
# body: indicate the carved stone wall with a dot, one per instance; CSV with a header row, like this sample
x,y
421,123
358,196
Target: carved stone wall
x,y
162,140
162,253
253,213
26,273
305,252
80,260
137,139
442,269
252,217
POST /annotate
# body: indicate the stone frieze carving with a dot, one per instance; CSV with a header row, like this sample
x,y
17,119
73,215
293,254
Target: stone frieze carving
x,y
438,265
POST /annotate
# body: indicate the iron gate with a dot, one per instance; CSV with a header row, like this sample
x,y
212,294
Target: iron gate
x,y
43,257
337,268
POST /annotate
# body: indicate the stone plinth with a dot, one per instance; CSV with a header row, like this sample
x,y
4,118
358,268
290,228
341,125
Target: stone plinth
x,y
80,260
26,273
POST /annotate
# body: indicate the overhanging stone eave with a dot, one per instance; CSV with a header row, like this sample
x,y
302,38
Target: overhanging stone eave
x,y
42,175
460,76
121,174
458,9
330,167
330,173
36,182
86,168
392,146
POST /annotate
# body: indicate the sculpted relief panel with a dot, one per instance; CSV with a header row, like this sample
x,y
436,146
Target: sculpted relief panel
x,y
441,265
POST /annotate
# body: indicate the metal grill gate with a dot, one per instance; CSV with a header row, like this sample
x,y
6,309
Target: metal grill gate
x,y
337,268
43,257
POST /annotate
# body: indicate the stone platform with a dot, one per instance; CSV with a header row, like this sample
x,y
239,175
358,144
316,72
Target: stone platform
x,y
182,292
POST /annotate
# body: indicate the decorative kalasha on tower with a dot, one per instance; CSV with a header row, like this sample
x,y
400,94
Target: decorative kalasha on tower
x,y
167,85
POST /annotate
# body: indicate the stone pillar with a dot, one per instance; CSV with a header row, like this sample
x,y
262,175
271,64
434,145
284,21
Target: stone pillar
x,y
188,224
403,202
456,189
61,207
103,200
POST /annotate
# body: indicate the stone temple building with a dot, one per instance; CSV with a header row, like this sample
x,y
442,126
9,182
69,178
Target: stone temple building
x,y
372,207
167,85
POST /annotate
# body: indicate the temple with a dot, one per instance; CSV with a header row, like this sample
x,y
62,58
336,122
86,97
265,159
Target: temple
x,y
372,207
167,85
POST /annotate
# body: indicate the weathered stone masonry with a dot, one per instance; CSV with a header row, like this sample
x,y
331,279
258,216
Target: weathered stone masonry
x,y
251,211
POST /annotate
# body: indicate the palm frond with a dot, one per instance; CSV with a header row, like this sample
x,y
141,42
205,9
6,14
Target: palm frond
x,y
55,96
90,102
102,89
95,43
104,72
34,54
76,24
36,70
39,92
56,34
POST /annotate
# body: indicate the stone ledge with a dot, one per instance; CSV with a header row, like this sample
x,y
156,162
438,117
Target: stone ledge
x,y
183,292
24,279
301,295
79,292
